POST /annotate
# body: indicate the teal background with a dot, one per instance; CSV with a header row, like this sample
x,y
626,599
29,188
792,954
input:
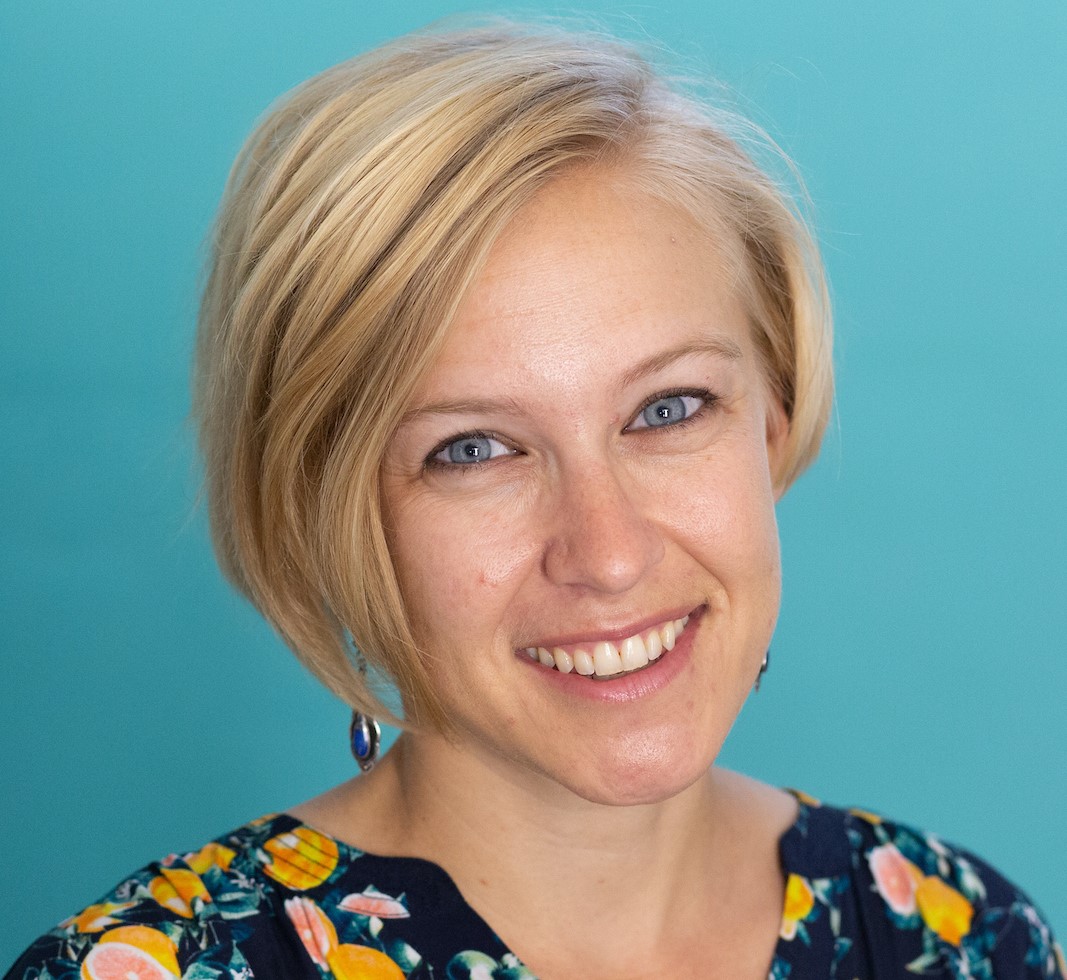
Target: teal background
x,y
919,667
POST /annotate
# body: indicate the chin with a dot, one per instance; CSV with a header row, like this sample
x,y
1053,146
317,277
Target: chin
x,y
639,773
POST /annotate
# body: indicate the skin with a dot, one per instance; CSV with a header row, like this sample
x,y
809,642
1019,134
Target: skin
x,y
586,831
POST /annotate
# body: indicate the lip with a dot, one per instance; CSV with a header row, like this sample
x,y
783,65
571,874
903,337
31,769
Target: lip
x,y
613,635
626,688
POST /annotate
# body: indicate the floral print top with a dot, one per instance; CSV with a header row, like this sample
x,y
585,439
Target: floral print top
x,y
865,898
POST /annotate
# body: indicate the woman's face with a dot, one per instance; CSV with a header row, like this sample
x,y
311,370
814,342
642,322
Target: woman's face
x,y
587,464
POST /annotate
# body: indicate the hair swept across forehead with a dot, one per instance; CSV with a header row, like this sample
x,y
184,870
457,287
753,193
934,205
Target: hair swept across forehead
x,y
357,215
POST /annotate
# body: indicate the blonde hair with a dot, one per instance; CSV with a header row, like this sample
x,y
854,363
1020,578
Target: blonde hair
x,y
356,215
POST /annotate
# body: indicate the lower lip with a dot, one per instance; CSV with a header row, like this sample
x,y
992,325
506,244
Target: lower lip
x,y
626,687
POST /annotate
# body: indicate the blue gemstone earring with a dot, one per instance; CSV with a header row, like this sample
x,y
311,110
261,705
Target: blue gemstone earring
x,y
365,740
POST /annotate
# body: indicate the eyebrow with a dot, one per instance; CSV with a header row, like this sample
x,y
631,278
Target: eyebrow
x,y
466,406
718,346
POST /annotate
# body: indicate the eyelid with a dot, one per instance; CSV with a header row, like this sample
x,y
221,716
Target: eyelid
x,y
432,460
708,398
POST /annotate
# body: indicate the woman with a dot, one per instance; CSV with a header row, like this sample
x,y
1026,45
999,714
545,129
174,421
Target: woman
x,y
506,355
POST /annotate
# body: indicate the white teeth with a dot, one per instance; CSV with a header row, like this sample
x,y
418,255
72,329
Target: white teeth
x,y
654,645
583,663
633,653
606,660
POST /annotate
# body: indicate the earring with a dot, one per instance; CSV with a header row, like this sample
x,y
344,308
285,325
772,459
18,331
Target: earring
x,y
763,668
365,739
364,734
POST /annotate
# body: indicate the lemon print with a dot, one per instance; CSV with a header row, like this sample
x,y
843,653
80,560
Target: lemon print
x,y
97,917
301,858
944,909
209,855
156,945
799,901
349,962
175,889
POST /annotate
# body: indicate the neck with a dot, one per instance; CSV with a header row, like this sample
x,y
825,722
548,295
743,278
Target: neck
x,y
478,809
523,850
562,880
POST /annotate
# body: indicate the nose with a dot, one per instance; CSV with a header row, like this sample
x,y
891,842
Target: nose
x,y
599,538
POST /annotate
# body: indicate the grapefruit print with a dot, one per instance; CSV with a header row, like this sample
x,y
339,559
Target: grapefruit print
x,y
121,961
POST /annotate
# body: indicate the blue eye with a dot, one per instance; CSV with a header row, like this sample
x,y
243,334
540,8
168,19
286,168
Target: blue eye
x,y
667,410
470,449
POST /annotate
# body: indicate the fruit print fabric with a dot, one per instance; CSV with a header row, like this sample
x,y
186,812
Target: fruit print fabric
x,y
276,899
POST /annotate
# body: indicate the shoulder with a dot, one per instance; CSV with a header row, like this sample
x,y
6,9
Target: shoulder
x,y
929,901
274,898
188,909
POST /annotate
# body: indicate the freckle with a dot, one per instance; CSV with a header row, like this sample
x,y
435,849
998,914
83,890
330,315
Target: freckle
x,y
482,881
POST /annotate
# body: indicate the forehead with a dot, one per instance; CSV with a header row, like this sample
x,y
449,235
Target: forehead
x,y
590,276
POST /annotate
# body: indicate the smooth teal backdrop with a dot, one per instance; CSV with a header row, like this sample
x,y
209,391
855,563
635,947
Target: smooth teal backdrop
x,y
920,664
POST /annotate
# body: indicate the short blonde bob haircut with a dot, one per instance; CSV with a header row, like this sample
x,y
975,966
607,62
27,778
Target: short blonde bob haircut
x,y
356,216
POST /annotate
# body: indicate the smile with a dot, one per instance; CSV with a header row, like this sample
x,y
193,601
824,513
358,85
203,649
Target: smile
x,y
606,659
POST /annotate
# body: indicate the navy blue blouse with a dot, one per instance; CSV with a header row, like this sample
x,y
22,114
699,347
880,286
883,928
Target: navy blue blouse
x,y
865,898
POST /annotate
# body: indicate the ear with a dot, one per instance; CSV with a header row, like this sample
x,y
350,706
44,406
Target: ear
x,y
777,423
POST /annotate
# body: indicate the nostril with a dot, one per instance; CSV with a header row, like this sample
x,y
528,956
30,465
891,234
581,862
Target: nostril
x,y
602,541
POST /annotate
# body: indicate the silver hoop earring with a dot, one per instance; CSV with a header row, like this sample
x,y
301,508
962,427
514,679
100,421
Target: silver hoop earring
x,y
763,668
365,740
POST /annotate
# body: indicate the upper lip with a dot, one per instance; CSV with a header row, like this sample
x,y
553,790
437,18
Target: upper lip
x,y
613,634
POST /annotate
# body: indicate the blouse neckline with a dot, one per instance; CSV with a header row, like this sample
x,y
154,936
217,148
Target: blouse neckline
x,y
811,849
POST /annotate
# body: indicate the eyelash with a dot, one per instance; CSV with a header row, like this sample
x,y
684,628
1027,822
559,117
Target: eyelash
x,y
431,461
709,400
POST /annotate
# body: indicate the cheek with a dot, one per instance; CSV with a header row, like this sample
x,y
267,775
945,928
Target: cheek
x,y
505,561
458,567
723,507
